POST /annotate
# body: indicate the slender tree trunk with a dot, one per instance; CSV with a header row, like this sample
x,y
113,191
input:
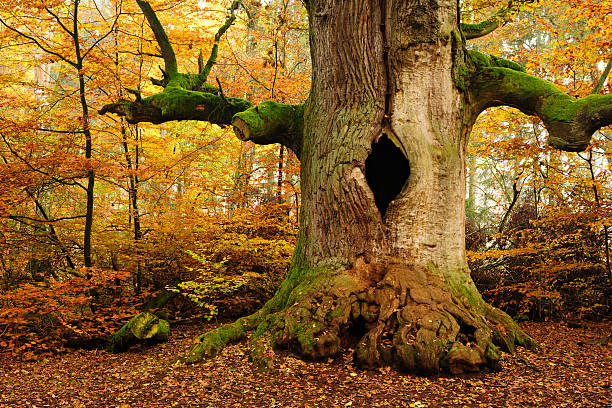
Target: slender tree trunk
x,y
87,259
589,161
52,232
279,183
90,179
131,160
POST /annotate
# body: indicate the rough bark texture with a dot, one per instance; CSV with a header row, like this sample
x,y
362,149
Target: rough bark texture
x,y
380,263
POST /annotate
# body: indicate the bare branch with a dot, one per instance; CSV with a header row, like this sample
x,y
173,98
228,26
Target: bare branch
x,y
38,44
516,192
46,221
110,31
59,21
171,67
69,132
603,78
138,54
221,92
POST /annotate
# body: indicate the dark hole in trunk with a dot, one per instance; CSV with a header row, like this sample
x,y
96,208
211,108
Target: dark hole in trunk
x,y
386,171
466,331
355,333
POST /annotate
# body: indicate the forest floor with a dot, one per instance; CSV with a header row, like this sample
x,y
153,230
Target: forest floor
x,y
569,370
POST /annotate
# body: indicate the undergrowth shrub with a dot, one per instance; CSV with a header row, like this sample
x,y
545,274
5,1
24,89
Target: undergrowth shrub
x,y
545,267
46,316
239,260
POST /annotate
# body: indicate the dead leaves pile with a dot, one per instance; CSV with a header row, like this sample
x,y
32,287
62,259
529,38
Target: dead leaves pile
x,y
563,373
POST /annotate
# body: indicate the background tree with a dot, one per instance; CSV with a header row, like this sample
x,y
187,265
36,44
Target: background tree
x,y
66,25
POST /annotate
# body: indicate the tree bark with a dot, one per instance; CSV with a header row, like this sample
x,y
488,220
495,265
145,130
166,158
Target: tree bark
x,y
91,178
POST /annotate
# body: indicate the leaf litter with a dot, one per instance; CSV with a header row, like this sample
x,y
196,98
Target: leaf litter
x,y
569,370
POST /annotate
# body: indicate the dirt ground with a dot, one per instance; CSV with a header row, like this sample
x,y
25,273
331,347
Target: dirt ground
x,y
569,370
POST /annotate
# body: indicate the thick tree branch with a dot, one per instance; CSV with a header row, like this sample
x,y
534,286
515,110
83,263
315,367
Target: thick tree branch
x,y
271,122
570,122
500,18
189,97
171,67
176,103
267,123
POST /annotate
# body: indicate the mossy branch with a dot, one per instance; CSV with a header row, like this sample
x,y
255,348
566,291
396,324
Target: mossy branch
x,y
267,123
570,122
189,97
176,103
271,122
497,20
211,343
204,70
195,82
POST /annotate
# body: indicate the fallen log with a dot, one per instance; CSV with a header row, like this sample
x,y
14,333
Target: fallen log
x,y
145,326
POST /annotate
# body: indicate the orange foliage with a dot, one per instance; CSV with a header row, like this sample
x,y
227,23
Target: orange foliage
x,y
160,191
46,315
550,255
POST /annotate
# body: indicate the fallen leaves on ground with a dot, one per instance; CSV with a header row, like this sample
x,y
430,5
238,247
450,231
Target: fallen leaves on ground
x,y
561,373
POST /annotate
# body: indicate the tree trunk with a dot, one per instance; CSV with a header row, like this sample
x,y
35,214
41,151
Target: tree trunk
x,y
380,262
91,178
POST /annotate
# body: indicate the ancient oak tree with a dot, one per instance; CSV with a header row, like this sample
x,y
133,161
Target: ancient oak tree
x,y
380,263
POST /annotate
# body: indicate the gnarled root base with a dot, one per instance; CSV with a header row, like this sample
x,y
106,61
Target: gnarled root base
x,y
412,319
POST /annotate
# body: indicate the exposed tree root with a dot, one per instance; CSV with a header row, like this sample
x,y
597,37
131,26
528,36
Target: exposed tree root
x,y
411,319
